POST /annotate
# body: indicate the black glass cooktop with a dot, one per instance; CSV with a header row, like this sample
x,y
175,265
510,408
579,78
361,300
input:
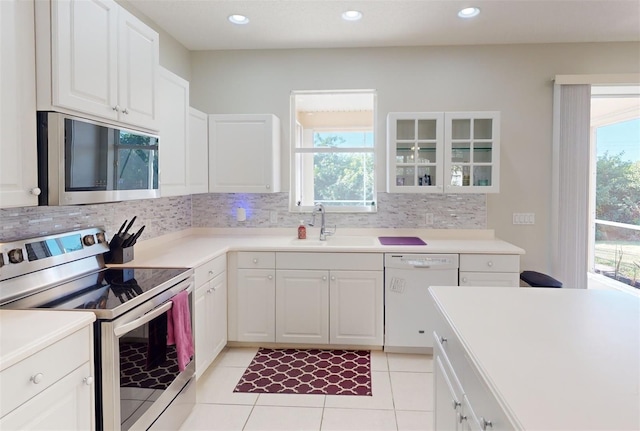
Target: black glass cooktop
x,y
110,288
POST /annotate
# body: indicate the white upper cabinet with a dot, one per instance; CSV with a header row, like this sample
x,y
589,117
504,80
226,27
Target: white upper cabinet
x,y
18,167
96,59
443,152
244,153
472,152
173,152
415,152
198,152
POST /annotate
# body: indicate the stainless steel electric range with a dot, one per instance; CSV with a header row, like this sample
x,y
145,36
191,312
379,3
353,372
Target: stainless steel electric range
x,y
138,383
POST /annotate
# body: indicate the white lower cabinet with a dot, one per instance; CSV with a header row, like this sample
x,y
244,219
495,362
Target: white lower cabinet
x,y
252,297
306,298
67,405
356,307
490,270
302,306
210,312
461,399
53,389
329,298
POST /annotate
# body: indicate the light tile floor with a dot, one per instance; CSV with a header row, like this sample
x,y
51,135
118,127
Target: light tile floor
x,y
402,400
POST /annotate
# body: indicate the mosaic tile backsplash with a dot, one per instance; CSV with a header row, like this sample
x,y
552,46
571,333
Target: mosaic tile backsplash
x,y
161,216
166,215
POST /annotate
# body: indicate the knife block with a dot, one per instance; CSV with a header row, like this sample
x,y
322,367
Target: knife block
x,y
120,255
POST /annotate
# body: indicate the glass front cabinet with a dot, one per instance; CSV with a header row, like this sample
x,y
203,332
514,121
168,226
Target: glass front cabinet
x,y
450,152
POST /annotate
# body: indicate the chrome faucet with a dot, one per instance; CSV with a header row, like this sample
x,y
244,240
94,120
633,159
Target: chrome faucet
x,y
319,208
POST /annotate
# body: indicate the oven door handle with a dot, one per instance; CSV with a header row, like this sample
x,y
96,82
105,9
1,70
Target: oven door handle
x,y
148,316
121,330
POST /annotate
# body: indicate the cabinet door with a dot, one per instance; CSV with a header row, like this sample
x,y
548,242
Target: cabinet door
x,y
472,152
219,314
356,307
447,404
415,152
173,113
84,56
256,308
202,323
66,405
198,152
138,60
302,306
18,166
244,154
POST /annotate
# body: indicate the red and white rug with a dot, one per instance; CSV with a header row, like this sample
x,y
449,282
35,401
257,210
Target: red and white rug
x,y
308,371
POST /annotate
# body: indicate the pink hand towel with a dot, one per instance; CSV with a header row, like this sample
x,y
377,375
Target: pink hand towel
x,y
179,329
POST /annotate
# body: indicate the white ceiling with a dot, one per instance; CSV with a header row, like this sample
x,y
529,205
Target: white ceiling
x,y
275,24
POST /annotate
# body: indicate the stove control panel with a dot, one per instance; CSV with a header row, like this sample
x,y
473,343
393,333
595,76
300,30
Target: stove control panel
x,y
33,254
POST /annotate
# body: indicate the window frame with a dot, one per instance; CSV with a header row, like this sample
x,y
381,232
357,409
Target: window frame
x,y
297,180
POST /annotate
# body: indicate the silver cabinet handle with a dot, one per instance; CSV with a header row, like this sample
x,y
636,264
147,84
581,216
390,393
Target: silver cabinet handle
x,y
333,278
35,191
125,111
37,378
209,290
484,424
116,108
443,340
490,264
88,381
461,418
255,260
268,186
324,278
270,277
456,404
210,272
464,279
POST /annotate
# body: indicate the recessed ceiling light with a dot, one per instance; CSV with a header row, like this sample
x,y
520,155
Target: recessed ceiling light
x,y
469,12
238,19
351,15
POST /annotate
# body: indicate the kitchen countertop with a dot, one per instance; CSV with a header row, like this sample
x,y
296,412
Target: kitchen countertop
x,y
555,359
193,247
25,332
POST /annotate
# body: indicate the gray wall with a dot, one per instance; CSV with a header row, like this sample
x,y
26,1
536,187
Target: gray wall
x,y
513,79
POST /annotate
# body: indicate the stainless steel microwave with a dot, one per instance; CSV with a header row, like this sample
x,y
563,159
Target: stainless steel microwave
x,y
83,161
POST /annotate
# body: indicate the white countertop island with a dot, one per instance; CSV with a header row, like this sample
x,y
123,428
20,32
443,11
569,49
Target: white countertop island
x,y
554,359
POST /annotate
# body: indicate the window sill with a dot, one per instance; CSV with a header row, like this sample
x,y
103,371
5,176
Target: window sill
x,y
599,281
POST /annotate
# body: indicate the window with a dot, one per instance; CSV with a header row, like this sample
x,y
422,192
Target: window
x,y
615,214
333,151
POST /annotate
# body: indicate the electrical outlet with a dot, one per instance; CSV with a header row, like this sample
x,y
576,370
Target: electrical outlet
x,y
524,218
428,219
273,217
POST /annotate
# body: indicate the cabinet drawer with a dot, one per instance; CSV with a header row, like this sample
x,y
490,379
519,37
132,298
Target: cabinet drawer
x,y
47,366
483,403
331,261
207,271
447,344
490,262
491,279
257,259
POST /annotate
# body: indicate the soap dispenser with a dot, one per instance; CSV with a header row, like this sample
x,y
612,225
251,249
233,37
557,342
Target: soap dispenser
x,y
302,230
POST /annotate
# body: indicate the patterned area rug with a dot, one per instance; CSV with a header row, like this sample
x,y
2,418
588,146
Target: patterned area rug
x,y
308,371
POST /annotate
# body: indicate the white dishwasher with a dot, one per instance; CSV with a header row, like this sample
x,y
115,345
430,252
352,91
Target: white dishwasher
x,y
409,314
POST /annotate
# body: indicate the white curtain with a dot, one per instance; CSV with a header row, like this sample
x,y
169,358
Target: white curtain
x,y
570,232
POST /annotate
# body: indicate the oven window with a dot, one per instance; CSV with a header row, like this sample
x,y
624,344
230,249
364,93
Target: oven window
x,y
147,367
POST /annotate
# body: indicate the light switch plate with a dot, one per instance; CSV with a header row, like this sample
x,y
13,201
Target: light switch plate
x,y
428,219
524,218
273,217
